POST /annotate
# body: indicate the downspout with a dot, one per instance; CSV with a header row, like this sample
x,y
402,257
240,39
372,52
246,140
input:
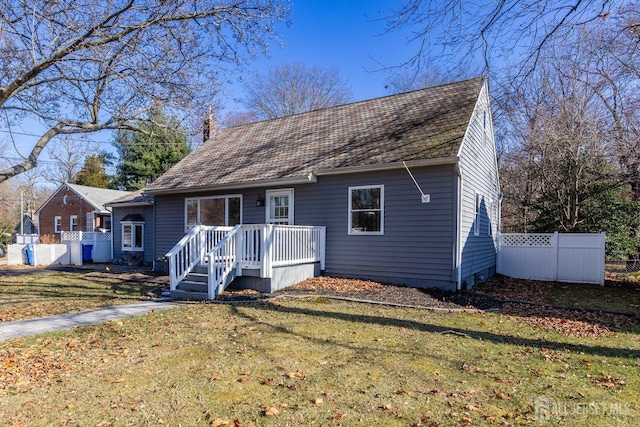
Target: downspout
x,y
112,232
458,237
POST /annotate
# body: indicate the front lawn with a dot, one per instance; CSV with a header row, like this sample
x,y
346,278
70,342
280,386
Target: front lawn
x,y
316,361
29,293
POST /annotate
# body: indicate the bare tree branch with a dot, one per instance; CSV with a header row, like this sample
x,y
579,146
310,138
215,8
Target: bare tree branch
x,y
95,65
294,88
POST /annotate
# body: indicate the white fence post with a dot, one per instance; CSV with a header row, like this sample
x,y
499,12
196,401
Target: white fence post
x,y
323,247
267,249
556,245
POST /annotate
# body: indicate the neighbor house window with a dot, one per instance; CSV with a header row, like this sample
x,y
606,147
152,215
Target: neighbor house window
x,y
73,223
132,236
366,209
57,224
218,210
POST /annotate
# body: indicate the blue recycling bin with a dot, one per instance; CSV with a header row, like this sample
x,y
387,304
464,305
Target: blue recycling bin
x,y
86,253
28,250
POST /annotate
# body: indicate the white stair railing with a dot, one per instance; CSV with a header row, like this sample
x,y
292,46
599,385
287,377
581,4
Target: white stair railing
x,y
191,251
221,262
184,256
225,249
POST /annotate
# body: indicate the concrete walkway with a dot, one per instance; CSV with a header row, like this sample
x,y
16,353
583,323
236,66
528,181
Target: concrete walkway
x,y
59,322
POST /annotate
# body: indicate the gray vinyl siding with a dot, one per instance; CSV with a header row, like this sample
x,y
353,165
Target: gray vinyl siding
x,y
170,222
149,227
479,176
416,249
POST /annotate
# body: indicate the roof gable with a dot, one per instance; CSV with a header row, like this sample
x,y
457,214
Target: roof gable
x,y
96,197
419,125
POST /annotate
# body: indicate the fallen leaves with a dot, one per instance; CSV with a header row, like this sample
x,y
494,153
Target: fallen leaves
x,y
569,322
337,284
271,411
607,381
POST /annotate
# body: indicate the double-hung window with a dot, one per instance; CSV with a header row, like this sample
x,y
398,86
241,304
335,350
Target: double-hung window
x,y
217,210
57,224
366,209
73,223
132,236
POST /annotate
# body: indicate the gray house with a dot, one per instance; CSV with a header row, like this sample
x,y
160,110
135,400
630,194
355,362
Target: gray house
x,y
133,228
401,189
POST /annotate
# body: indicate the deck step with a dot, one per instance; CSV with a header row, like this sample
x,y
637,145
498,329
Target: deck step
x,y
190,286
197,277
200,269
186,295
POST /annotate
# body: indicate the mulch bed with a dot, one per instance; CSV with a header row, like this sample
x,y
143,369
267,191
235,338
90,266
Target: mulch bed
x,y
522,299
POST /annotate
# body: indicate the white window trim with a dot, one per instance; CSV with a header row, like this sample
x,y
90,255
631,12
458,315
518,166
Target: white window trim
x,y
133,225
71,227
57,224
226,208
280,192
349,211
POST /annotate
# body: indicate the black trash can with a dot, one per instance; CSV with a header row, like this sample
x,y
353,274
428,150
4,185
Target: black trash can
x,y
86,253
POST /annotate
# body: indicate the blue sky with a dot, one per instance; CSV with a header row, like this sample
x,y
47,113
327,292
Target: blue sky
x,y
348,35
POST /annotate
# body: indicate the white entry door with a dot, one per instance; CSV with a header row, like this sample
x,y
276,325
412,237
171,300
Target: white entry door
x,y
279,207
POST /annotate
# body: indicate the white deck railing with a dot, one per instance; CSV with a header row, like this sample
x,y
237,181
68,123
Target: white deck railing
x,y
221,262
249,246
191,251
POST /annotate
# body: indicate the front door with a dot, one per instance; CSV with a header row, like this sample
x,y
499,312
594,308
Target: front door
x,y
279,207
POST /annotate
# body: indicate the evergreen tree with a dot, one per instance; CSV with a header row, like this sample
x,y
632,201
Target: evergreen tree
x,y
146,154
93,173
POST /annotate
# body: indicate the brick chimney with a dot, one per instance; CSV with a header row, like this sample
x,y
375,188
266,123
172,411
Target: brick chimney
x,y
209,125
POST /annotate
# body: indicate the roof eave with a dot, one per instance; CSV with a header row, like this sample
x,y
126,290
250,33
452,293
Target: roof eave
x,y
309,179
127,204
388,166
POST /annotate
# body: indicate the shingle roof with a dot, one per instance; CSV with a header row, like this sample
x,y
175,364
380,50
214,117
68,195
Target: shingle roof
x,y
423,124
98,197
133,198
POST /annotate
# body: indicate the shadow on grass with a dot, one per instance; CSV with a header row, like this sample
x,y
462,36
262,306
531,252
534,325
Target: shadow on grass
x,y
71,288
497,338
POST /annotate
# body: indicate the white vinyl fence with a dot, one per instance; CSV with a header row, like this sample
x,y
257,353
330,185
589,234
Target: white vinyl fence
x,y
25,239
571,257
42,254
76,240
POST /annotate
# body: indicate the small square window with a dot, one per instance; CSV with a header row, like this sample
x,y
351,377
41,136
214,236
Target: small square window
x,y
132,236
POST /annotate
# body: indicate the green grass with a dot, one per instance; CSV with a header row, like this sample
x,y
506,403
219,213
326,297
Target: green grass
x,y
318,362
24,295
621,297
